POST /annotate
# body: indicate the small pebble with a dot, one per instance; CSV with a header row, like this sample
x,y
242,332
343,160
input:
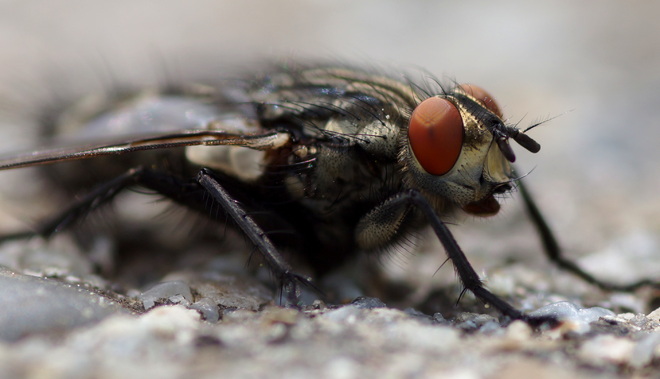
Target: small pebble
x,y
32,305
175,292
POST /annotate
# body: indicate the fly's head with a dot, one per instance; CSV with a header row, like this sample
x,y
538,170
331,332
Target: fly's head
x,y
458,150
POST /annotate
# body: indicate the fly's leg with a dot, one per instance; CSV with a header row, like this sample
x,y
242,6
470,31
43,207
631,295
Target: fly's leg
x,y
81,207
466,273
555,254
171,186
398,206
193,194
282,270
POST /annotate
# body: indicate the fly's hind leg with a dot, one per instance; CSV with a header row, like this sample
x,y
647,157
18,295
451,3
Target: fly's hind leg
x,y
100,195
191,193
554,252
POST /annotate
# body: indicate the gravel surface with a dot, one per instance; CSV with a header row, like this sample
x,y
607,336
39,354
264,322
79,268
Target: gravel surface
x,y
178,311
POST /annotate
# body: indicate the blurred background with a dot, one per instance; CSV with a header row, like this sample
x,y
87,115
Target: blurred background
x,y
593,68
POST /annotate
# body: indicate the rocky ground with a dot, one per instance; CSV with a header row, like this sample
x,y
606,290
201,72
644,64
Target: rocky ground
x,y
210,323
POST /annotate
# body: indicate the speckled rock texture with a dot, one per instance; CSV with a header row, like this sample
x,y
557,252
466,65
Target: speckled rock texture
x,y
107,310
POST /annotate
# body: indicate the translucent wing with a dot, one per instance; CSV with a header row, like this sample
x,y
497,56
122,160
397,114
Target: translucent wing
x,y
193,137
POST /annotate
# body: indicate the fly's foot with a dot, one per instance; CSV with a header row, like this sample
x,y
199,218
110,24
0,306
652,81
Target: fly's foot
x,y
538,322
291,290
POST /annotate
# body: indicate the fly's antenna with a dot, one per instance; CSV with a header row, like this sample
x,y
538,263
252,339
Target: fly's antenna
x,y
501,132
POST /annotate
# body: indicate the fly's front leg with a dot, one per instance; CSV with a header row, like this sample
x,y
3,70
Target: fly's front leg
x,y
554,252
390,215
282,270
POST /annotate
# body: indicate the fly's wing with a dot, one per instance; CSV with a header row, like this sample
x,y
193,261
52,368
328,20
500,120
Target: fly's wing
x,y
146,121
192,137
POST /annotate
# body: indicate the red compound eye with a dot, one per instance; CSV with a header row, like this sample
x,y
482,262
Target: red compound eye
x,y
484,97
436,135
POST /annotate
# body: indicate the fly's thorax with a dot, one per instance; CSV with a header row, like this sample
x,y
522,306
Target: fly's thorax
x,y
382,139
471,165
379,138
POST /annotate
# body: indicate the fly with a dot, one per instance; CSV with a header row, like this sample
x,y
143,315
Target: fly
x,y
342,159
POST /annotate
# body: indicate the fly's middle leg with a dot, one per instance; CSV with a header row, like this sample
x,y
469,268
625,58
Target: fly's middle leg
x,y
288,279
